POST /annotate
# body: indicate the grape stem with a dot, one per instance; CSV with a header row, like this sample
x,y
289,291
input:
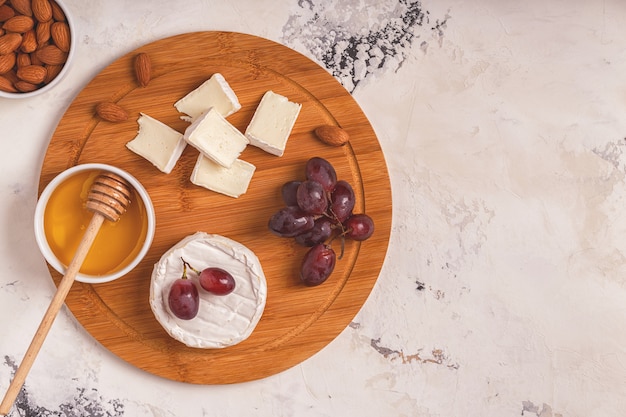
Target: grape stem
x,y
185,265
342,244
331,214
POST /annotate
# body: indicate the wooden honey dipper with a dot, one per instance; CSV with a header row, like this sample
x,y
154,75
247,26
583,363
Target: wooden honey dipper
x,y
108,198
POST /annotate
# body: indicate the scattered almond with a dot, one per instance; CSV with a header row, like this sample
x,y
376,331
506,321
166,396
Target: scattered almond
x,y
9,43
42,10
111,112
332,135
7,85
34,74
60,33
22,7
52,55
7,62
19,24
29,42
143,69
6,12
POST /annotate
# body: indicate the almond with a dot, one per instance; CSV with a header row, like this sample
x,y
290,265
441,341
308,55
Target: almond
x,y
22,7
52,55
7,62
9,43
6,12
23,60
51,72
42,10
60,33
19,24
11,76
57,12
29,42
34,74
143,69
6,85
332,135
43,32
25,86
111,112
34,59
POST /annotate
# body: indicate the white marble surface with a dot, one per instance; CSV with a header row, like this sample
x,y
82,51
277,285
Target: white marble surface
x,y
503,292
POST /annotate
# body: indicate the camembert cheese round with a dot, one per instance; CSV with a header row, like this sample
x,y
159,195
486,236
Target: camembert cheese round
x,y
222,320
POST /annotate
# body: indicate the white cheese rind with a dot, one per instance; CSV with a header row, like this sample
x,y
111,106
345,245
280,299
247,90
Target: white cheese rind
x,y
216,138
222,321
272,123
233,181
158,143
214,92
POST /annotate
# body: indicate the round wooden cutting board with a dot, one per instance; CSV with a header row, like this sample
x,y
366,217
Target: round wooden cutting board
x,y
298,321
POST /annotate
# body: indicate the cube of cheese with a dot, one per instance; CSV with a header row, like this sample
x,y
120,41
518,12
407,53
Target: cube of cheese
x,y
272,123
216,138
214,92
158,143
233,181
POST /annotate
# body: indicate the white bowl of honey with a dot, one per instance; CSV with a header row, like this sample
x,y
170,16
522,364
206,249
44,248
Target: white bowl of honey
x,y
61,219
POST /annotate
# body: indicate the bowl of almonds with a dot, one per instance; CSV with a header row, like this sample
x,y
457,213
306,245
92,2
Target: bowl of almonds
x,y
36,46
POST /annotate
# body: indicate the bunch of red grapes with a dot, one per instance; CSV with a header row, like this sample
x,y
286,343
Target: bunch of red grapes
x,y
318,210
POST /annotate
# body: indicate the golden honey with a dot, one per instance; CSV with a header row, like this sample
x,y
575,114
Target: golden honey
x,y
66,218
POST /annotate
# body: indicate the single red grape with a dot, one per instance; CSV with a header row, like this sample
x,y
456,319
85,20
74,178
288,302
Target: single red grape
x,y
359,227
317,265
288,192
183,299
320,170
217,281
312,197
290,222
322,229
342,200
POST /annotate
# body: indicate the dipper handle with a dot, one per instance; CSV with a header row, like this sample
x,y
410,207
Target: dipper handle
x,y
108,198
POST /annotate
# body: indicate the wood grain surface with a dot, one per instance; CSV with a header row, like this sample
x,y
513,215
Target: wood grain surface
x,y
298,321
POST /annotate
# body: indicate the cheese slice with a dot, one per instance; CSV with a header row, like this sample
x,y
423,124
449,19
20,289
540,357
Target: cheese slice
x,y
158,143
216,138
214,92
222,321
272,123
233,181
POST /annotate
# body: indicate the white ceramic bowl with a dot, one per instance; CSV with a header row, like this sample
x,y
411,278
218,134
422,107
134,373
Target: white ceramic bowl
x,y
73,41
40,234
